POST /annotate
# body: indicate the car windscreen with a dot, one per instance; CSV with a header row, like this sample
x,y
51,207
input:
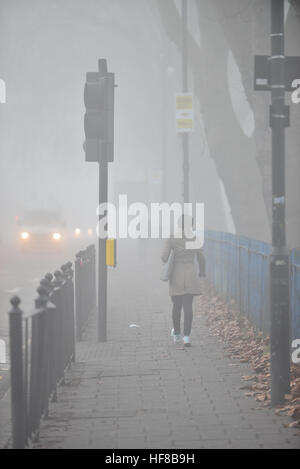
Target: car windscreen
x,y
44,218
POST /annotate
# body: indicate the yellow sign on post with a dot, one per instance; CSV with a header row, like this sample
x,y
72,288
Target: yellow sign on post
x,y
111,252
184,112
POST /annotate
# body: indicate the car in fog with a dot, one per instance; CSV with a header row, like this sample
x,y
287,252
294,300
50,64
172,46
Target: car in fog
x,y
41,229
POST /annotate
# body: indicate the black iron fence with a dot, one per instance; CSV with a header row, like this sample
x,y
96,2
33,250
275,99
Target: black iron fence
x,y
42,344
85,288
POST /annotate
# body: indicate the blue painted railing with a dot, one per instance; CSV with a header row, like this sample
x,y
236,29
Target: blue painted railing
x,y
238,268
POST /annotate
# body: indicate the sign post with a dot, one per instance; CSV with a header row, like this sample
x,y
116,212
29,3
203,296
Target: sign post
x,y
277,74
185,135
99,147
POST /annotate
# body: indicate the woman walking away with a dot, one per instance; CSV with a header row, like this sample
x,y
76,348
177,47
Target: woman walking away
x,y
188,265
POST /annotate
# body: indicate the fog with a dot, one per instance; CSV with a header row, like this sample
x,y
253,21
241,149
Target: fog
x,y
46,49
225,162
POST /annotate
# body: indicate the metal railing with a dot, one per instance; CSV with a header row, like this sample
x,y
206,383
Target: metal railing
x,y
42,344
238,269
85,288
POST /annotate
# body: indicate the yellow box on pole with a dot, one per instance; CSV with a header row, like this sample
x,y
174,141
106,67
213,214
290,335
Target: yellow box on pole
x,y
111,252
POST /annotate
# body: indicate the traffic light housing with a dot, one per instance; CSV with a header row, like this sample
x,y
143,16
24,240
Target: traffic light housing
x,y
99,117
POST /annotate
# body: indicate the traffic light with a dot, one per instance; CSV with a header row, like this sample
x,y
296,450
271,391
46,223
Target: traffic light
x,y
99,118
99,93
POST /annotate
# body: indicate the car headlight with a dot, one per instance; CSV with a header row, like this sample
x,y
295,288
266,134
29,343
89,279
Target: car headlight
x,y
77,232
56,236
24,235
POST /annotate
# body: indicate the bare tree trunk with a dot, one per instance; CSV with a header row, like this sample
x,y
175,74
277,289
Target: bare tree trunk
x,y
249,21
233,152
293,142
296,5
254,23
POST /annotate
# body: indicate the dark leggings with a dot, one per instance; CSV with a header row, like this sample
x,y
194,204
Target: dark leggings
x,y
185,301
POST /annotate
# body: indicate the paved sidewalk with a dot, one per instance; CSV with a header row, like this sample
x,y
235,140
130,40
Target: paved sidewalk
x,y
141,391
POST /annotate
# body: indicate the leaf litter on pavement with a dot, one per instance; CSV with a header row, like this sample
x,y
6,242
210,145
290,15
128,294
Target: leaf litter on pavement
x,y
248,345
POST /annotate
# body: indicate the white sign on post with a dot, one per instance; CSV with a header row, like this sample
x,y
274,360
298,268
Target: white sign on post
x,y
2,352
296,93
2,91
184,112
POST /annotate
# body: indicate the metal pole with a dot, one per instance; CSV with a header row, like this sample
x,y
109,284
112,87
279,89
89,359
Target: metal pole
x,y
185,137
164,127
102,268
16,371
279,260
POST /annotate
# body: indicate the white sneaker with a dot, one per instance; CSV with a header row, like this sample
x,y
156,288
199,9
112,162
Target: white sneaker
x,y
187,341
177,338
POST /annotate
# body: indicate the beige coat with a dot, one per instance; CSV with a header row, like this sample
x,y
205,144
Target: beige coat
x,y
184,278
